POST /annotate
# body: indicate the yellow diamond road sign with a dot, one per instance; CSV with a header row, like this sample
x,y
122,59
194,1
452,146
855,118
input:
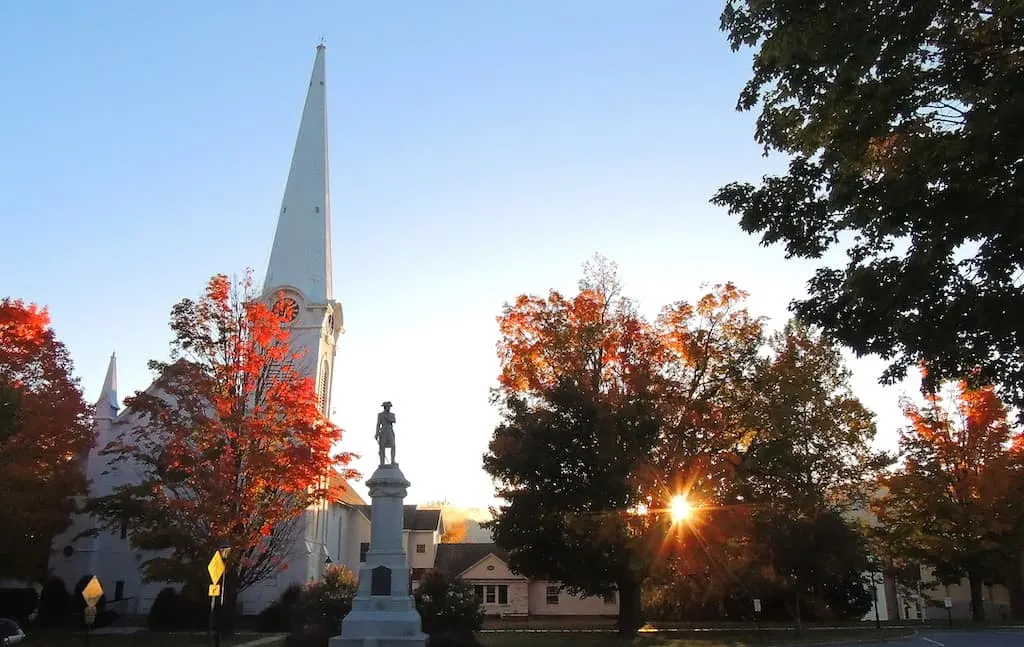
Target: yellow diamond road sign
x,y
92,592
216,568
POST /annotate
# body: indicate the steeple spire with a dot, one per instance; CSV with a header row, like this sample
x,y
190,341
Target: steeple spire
x,y
106,406
301,255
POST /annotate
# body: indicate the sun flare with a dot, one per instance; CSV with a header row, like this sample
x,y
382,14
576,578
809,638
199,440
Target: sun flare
x,y
680,509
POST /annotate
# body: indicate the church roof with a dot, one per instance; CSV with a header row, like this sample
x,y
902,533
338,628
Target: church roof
x,y
428,519
301,254
347,495
454,559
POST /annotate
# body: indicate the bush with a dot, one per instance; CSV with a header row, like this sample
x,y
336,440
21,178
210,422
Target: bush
x,y
54,604
18,603
278,616
321,606
163,615
448,607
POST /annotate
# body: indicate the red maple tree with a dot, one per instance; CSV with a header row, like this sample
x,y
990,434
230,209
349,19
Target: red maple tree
x,y
955,504
45,432
227,448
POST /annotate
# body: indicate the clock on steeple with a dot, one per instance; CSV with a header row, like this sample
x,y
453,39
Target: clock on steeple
x,y
286,308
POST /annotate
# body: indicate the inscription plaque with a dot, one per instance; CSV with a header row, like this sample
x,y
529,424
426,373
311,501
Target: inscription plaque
x,y
380,581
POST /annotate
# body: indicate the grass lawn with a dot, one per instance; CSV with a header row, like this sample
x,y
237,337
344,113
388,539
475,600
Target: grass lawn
x,y
57,638
726,638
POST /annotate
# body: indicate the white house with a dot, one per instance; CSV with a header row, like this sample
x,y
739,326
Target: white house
x,y
299,270
484,566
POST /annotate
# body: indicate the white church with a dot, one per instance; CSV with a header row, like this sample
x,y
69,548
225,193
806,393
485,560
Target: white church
x,y
299,267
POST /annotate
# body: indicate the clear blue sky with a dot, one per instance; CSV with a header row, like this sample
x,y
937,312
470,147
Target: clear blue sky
x,y
478,150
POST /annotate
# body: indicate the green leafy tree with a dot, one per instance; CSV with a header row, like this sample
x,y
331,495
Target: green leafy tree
x,y
604,412
903,122
449,607
806,459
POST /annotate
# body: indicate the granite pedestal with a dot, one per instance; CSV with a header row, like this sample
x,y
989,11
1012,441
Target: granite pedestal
x,y
383,612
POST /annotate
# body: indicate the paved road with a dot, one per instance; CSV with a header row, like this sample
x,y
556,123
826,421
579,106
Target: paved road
x,y
939,638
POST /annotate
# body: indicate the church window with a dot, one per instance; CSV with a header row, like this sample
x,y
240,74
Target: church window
x,y
324,387
364,547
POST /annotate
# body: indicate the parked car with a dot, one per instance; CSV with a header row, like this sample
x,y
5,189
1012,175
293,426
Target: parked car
x,y
10,632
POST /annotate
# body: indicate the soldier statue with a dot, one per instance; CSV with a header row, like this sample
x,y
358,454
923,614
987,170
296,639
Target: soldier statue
x,y
386,432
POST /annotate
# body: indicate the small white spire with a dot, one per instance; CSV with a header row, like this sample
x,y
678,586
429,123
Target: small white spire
x,y
301,255
106,406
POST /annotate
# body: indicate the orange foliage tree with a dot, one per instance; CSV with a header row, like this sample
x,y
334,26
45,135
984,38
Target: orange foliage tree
x,y
228,447
956,503
455,532
603,413
45,433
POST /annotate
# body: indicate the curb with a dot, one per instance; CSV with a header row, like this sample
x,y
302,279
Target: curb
x,y
265,640
862,641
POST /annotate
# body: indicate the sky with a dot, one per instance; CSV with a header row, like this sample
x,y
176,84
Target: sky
x,y
479,150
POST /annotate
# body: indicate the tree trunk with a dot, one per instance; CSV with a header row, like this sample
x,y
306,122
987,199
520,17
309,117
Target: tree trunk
x,y
977,603
630,608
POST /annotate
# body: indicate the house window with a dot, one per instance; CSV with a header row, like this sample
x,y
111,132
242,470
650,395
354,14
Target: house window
x,y
609,598
421,548
364,547
491,593
119,590
551,595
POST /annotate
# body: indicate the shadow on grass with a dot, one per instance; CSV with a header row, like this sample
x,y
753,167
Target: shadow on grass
x,y
685,638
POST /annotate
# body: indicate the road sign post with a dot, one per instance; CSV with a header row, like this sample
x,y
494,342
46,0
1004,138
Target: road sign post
x,y
91,594
216,570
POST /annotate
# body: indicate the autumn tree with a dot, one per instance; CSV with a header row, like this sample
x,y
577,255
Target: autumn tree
x,y
806,459
227,448
45,431
955,504
455,531
604,413
903,123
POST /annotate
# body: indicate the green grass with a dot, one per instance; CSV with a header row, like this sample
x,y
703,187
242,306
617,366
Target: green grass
x,y
725,638
58,638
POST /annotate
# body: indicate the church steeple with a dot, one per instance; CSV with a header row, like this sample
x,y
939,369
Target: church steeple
x,y
106,406
301,255
300,260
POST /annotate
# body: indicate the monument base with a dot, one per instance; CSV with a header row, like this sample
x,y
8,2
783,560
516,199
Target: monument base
x,y
384,612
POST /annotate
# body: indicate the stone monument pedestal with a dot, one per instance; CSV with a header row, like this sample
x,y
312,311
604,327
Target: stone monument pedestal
x,y
383,612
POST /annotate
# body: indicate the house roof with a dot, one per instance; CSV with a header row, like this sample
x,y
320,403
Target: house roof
x,y
347,495
414,518
455,559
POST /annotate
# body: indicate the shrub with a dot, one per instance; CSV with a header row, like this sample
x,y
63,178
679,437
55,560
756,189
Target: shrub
x,y
448,607
54,604
163,615
321,606
278,616
18,603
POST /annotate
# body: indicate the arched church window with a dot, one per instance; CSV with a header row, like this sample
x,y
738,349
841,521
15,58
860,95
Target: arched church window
x,y
324,385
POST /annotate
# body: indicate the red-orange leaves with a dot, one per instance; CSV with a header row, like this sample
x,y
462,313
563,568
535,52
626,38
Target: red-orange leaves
x,y
44,432
234,424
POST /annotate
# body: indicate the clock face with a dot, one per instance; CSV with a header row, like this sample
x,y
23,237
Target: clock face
x,y
286,308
